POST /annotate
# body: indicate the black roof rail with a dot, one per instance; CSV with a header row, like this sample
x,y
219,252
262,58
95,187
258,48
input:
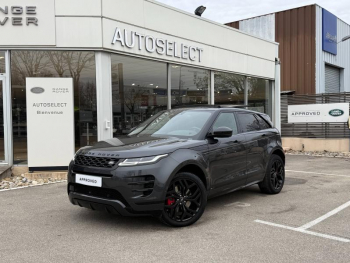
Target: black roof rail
x,y
208,106
233,106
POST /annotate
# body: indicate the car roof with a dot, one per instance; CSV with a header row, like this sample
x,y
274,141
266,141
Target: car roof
x,y
217,108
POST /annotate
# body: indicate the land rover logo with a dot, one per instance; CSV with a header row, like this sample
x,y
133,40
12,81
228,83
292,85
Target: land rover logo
x,y
111,163
37,90
336,112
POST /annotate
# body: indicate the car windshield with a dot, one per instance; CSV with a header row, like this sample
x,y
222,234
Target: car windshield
x,y
182,123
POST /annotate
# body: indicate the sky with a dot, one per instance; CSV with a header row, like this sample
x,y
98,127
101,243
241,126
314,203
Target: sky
x,y
224,11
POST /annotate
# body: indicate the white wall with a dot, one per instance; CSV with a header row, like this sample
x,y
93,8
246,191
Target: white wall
x,y
341,60
224,48
261,26
78,7
79,32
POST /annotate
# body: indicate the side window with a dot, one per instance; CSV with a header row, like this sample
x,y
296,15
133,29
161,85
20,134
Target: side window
x,y
248,122
226,119
263,124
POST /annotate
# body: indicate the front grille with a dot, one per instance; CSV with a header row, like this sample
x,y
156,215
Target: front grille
x,y
105,193
142,185
104,162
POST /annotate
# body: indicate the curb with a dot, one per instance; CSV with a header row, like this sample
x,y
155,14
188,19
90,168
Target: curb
x,y
22,187
344,157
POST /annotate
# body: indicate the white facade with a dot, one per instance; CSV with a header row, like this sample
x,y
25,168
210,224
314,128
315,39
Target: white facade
x,y
261,26
106,26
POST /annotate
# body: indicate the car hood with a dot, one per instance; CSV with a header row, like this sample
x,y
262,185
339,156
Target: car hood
x,y
130,147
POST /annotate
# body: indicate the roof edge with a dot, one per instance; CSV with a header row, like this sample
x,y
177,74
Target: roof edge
x,y
272,13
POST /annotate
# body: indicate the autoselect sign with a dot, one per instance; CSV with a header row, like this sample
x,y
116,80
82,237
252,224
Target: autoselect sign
x,y
333,112
160,46
50,122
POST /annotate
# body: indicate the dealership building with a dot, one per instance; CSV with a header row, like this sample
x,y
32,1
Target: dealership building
x,y
314,51
314,59
76,72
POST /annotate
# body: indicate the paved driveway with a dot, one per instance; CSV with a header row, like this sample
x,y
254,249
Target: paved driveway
x,y
307,222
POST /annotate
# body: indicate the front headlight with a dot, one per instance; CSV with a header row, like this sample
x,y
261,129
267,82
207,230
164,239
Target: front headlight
x,y
143,160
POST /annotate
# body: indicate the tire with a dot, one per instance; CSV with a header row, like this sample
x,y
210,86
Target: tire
x,y
185,200
274,177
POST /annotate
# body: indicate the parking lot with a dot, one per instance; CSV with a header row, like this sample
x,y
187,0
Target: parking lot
x,y
307,222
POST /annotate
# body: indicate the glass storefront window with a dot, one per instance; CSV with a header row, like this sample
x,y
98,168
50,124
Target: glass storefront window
x,y
139,90
189,86
259,95
2,61
229,88
53,64
2,148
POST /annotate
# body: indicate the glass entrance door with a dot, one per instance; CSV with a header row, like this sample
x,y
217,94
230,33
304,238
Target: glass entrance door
x,y
2,130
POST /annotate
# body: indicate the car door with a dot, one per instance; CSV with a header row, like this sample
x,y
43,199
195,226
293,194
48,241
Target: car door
x,y
227,156
256,145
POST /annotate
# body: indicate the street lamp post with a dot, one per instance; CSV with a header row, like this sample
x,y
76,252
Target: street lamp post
x,y
200,10
344,39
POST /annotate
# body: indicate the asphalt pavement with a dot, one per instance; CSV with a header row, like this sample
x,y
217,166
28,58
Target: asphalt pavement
x,y
307,222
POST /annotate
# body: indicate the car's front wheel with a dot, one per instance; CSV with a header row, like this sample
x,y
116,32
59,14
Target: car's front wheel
x,y
274,176
185,200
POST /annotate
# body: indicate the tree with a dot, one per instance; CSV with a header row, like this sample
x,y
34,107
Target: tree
x,y
29,64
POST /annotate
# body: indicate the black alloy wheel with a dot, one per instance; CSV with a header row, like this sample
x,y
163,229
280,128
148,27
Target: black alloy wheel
x,y
277,174
274,176
185,200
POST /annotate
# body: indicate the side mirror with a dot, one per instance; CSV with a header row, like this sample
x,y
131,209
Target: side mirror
x,y
221,132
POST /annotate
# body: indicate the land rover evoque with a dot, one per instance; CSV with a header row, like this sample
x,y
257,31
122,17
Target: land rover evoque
x,y
172,163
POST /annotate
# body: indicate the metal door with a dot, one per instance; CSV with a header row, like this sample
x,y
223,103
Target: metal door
x,y
332,79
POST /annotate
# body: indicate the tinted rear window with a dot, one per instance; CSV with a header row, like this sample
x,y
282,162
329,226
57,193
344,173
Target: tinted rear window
x,y
248,122
263,124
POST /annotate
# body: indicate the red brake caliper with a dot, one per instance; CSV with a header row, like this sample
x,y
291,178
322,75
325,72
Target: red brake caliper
x,y
170,201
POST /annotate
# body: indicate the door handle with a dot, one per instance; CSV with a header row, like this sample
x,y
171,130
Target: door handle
x,y
236,141
264,135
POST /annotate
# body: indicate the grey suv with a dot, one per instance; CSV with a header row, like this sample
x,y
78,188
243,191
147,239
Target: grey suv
x,y
171,164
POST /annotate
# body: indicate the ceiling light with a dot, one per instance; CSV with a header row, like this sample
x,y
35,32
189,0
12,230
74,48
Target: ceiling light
x,y
151,84
133,84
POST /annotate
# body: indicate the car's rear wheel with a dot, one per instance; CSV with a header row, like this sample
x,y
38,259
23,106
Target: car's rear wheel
x,y
274,177
185,200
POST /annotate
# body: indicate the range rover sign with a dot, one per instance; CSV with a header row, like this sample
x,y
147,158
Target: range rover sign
x,y
27,23
321,113
28,13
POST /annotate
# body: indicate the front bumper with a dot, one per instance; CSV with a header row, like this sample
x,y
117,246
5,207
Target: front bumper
x,y
99,204
127,191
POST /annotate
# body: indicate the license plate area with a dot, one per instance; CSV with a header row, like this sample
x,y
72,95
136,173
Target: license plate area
x,y
88,180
